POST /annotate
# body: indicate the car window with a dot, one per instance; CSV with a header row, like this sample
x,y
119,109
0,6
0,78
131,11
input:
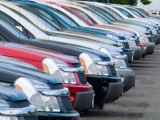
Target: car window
x,y
143,11
14,31
97,15
126,13
15,24
113,13
104,14
83,14
135,12
39,18
81,20
63,16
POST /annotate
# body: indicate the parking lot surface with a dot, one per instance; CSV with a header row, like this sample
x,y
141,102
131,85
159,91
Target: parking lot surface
x,y
139,103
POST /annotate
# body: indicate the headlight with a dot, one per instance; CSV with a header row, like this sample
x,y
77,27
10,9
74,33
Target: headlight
x,y
39,94
154,31
94,65
116,57
58,69
112,36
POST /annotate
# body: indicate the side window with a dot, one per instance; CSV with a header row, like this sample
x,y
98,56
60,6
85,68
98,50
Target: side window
x,y
2,38
15,24
10,33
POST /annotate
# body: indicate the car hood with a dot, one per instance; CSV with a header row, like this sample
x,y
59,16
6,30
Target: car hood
x,y
91,44
34,53
11,94
120,32
16,62
20,71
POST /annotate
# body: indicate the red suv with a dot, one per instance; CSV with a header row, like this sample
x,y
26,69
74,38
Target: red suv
x,y
57,64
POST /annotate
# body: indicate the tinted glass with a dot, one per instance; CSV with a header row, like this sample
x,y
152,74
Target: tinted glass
x,y
12,30
113,13
135,12
83,14
67,19
97,15
126,13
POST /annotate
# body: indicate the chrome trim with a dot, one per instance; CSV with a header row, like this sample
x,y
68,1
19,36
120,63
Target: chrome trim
x,y
105,63
121,41
67,69
50,92
120,56
18,111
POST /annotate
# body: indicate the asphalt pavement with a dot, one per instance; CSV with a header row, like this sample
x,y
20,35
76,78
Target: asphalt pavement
x,y
139,103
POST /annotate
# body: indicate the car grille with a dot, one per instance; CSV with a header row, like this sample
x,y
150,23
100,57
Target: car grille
x,y
58,86
67,104
112,71
22,103
126,45
30,118
82,76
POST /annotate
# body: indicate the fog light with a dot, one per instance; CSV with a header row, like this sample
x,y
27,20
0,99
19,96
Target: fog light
x,y
122,78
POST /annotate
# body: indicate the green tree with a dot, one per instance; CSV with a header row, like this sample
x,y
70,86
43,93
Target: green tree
x,y
127,2
146,2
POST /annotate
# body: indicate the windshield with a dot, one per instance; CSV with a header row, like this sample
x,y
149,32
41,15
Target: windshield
x,y
135,12
126,13
146,13
81,20
113,13
83,14
39,17
44,18
11,29
63,16
97,15
103,13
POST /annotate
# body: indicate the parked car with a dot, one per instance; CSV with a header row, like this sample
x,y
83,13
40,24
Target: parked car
x,y
104,77
44,91
155,24
57,64
121,65
143,33
103,33
129,35
14,105
140,14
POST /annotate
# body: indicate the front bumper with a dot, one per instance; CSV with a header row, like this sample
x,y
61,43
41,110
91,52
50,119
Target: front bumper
x,y
137,52
107,89
26,113
129,56
81,96
18,118
59,116
127,77
157,37
148,49
84,101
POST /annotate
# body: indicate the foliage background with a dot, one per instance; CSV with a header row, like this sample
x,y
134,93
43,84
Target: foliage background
x,y
125,2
